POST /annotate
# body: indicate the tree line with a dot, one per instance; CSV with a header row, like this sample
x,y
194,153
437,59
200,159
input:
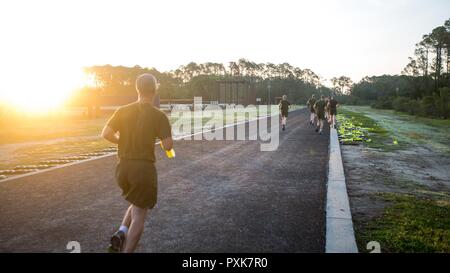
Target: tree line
x,y
423,86
200,79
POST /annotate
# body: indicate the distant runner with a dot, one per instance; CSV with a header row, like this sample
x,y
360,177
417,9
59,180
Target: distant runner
x,y
284,109
310,104
138,125
332,105
319,107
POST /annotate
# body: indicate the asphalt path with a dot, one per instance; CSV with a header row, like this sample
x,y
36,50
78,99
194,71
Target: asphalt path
x,y
215,196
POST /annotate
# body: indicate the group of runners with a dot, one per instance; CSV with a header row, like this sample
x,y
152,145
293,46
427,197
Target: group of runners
x,y
321,109
324,108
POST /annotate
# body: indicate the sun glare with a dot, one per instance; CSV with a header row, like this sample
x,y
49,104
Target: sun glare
x,y
42,90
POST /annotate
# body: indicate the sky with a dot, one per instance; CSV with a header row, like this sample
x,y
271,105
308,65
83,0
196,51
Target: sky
x,y
49,41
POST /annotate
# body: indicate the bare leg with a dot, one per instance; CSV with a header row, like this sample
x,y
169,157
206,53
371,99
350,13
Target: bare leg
x,y
127,218
136,228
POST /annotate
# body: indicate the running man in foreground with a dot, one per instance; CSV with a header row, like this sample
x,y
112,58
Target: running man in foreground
x,y
310,104
332,106
319,108
284,109
138,125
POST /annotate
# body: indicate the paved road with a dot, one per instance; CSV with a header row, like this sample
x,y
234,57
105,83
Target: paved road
x,y
216,196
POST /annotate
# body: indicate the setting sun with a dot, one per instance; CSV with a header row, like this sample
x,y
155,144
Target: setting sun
x,y
41,90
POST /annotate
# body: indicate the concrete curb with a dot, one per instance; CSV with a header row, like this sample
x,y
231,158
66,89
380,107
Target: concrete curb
x,y
340,236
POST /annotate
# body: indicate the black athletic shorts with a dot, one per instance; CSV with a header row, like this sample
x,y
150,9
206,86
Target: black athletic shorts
x,y
284,113
139,182
321,115
333,112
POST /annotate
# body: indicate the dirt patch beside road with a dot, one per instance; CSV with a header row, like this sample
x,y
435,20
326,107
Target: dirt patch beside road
x,y
369,171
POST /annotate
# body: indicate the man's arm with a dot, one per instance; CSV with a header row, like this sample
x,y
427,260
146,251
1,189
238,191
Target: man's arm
x,y
112,127
165,133
109,134
167,143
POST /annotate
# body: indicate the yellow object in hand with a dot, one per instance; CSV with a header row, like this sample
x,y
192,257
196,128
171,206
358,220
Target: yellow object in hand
x,y
169,153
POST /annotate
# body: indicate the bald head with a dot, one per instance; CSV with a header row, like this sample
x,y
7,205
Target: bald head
x,y
146,85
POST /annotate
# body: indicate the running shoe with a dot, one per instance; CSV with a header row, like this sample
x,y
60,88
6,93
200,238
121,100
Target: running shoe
x,y
117,240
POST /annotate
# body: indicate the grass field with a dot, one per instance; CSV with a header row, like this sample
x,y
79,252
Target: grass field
x,y
411,225
403,129
29,141
398,183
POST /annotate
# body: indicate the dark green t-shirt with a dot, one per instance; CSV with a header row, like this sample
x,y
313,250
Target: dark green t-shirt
x,y
139,124
284,106
311,103
320,106
333,105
